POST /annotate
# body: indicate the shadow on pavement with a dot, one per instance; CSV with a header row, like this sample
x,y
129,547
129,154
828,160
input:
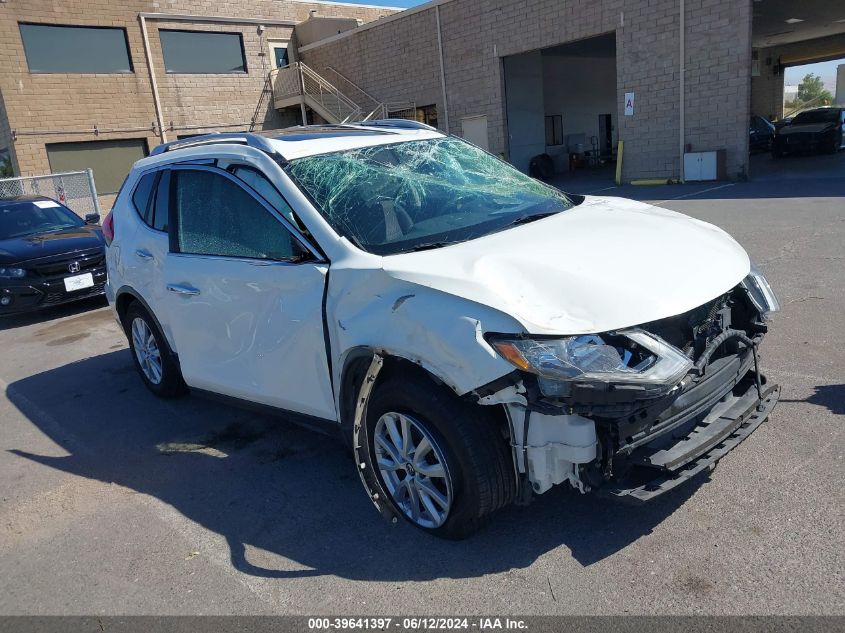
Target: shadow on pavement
x,y
263,483
14,321
832,397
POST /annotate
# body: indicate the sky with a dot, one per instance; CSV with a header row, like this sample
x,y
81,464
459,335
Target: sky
x,y
825,70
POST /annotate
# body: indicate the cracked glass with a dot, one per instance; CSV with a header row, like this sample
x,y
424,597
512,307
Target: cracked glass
x,y
415,195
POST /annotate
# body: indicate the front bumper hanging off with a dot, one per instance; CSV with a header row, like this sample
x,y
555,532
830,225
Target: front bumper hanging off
x,y
661,469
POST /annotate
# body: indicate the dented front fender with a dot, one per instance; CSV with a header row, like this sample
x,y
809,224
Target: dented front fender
x,y
443,333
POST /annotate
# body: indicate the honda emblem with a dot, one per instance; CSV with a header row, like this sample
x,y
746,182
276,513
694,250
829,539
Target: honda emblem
x,y
73,267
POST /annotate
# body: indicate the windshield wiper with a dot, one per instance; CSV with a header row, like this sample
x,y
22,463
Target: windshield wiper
x,y
525,219
427,246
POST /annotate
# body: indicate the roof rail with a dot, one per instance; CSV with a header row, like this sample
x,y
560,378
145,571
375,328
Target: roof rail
x,y
244,138
404,124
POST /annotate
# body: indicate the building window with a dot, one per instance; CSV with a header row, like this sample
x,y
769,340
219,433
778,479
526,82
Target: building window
x,y
202,52
75,49
554,130
279,54
110,160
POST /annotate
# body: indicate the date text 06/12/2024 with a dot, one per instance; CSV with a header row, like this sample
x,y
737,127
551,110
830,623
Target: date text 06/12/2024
x,y
417,624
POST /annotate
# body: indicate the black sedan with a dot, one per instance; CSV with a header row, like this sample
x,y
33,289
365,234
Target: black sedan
x,y
816,130
760,134
48,255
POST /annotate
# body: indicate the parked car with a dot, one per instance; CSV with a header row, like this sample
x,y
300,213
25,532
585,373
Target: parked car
x,y
760,134
783,122
816,130
474,335
48,254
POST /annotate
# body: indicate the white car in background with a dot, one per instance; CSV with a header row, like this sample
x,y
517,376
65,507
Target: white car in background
x,y
475,335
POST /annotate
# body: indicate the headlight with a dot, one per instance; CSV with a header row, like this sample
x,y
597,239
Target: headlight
x,y
633,357
760,292
12,272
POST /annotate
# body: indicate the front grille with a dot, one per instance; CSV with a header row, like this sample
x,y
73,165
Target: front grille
x,y
59,265
684,330
60,296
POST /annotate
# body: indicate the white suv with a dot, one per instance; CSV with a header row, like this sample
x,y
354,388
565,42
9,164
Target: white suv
x,y
475,335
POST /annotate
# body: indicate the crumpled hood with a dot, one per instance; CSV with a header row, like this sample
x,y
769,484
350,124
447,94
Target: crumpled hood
x,y
605,264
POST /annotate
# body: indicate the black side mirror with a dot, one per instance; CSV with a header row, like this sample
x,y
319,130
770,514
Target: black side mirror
x,y
92,218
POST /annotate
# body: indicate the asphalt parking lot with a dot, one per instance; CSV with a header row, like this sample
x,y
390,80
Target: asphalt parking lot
x,y
114,502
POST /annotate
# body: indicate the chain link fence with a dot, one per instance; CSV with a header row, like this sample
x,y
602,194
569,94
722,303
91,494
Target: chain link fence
x,y
74,189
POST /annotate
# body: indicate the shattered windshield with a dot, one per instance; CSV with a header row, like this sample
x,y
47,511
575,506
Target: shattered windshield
x,y
415,195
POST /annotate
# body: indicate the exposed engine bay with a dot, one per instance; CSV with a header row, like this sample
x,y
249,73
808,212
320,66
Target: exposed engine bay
x,y
639,439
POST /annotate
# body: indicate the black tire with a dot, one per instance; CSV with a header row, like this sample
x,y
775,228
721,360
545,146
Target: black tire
x,y
478,457
171,384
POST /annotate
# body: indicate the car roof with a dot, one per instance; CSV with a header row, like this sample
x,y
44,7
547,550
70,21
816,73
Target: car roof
x,y
25,198
303,141
16,201
308,140
819,109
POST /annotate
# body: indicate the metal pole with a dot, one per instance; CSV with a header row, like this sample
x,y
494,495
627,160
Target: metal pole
x,y
442,70
302,93
151,70
93,188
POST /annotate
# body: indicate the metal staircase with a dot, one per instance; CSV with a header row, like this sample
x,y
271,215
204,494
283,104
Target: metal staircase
x,y
299,85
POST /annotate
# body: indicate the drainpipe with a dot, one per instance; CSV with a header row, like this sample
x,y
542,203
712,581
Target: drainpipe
x,y
442,69
181,17
302,94
682,71
151,70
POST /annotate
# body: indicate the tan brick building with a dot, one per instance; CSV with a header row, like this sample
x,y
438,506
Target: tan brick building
x,y
551,76
69,96
672,79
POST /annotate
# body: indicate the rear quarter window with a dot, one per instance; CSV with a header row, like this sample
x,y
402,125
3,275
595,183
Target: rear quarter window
x,y
142,194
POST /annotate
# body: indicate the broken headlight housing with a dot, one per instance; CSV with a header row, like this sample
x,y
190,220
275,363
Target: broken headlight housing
x,y
627,357
760,292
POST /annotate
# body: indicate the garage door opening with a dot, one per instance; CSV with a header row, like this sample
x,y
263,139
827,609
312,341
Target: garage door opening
x,y
562,106
797,66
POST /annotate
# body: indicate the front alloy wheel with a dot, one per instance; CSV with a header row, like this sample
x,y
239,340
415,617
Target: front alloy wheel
x,y
443,462
413,469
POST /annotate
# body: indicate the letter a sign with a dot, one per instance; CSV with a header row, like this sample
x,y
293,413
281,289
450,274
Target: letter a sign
x,y
629,104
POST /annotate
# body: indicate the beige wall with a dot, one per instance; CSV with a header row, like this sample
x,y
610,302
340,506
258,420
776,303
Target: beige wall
x,y
52,108
398,59
396,62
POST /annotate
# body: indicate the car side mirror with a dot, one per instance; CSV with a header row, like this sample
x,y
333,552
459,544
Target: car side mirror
x,y
92,218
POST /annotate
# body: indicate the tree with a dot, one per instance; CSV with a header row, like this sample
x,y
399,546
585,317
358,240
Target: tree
x,y
812,88
6,169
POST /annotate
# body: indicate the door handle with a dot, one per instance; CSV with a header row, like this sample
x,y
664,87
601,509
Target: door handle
x,y
144,254
183,290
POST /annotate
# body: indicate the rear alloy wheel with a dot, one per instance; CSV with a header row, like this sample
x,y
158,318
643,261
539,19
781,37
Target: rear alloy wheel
x,y
153,359
146,351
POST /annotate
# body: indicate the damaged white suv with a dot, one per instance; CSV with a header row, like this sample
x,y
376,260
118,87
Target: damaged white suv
x,y
475,335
